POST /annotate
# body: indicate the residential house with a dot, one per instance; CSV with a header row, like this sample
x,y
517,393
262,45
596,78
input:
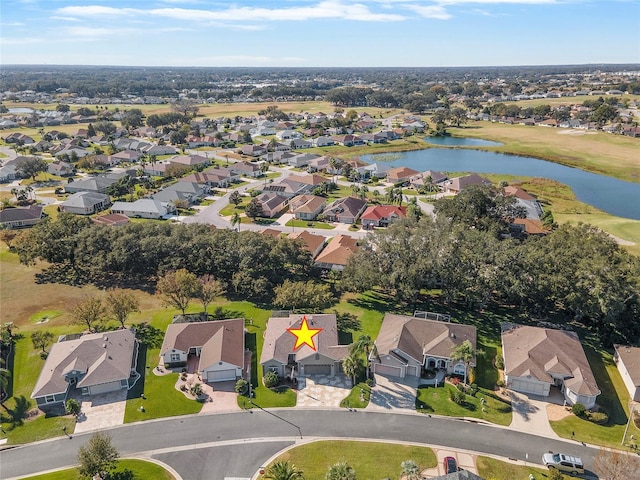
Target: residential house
x,y
60,168
302,159
536,359
92,364
278,353
8,171
272,203
85,203
142,208
19,139
246,169
288,135
307,207
253,150
20,217
90,184
298,143
190,161
456,185
111,220
226,172
127,156
288,188
214,350
311,242
212,180
429,179
323,141
271,232
190,192
156,169
408,345
345,210
627,359
320,164
382,215
311,180
401,174
157,150
348,140
337,253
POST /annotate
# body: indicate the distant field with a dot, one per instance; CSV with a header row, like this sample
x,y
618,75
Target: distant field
x,y
614,155
570,100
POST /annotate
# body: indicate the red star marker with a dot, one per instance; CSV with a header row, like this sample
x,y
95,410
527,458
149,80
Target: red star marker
x,y
304,335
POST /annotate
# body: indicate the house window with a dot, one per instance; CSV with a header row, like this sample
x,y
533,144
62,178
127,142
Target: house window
x,y
50,398
291,359
274,369
175,357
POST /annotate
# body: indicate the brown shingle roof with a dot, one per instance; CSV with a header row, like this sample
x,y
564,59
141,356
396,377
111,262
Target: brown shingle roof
x,y
311,242
103,357
630,356
279,343
340,248
539,352
418,337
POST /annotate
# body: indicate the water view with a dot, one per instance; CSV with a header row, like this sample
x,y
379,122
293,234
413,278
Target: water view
x,y
613,196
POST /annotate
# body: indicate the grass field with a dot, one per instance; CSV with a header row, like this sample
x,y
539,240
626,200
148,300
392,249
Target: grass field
x,y
497,470
598,152
141,470
370,460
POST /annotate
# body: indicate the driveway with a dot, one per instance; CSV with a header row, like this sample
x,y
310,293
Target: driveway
x,y
322,391
222,397
465,460
530,414
101,411
393,394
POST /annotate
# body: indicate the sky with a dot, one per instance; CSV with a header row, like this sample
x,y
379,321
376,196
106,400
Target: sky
x,y
319,33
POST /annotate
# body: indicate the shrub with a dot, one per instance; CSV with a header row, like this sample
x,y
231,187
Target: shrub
x,y
73,407
183,387
455,380
499,362
636,419
270,379
579,410
555,475
473,390
369,382
458,397
196,390
599,417
461,387
500,383
242,387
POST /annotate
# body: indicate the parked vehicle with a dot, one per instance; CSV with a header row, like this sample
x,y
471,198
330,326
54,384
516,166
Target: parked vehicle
x,y
450,465
564,463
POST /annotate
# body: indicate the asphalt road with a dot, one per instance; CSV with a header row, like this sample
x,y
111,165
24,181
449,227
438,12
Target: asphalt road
x,y
237,444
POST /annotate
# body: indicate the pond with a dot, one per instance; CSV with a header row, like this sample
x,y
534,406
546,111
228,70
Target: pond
x,y
20,110
461,142
611,195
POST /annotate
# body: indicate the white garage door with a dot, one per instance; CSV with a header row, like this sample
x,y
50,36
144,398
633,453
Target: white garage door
x,y
317,369
221,375
104,388
528,387
387,370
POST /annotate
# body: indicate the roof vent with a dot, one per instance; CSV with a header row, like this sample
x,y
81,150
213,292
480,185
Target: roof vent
x,y
453,335
104,345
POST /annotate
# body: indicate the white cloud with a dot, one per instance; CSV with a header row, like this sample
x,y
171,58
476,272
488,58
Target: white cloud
x,y
430,11
495,2
66,19
20,40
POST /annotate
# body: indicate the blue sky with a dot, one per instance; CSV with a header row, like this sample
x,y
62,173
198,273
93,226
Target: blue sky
x,y
319,33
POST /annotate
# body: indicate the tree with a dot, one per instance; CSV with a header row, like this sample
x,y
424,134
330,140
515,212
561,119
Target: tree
x,y
30,167
464,353
236,220
72,407
97,457
132,118
107,128
89,312
352,365
120,303
616,465
340,471
5,378
410,470
235,198
310,294
62,107
254,209
207,289
283,470
91,131
8,236
362,346
41,339
177,288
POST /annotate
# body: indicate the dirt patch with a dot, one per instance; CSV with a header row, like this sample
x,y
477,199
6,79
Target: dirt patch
x,y
557,412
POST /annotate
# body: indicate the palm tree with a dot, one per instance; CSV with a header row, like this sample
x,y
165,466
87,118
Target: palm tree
x,y
5,375
410,470
283,471
235,220
341,471
350,366
363,345
464,353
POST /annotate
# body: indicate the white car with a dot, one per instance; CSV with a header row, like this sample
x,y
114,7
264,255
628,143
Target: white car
x,y
564,463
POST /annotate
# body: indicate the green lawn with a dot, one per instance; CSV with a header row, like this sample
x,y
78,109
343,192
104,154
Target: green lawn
x,y
141,470
497,470
358,397
309,224
370,460
614,399
436,400
269,398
